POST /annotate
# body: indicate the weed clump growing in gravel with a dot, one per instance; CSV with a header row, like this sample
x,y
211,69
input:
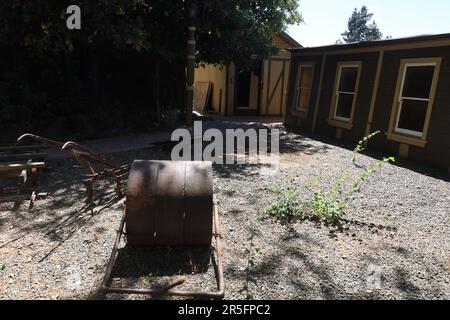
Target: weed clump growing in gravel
x,y
328,204
288,207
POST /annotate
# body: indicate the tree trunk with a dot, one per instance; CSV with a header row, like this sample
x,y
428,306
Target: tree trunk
x,y
157,96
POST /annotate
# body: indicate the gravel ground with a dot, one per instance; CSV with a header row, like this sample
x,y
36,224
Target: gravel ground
x,y
394,243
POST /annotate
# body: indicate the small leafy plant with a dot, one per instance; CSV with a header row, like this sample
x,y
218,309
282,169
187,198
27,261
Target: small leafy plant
x,y
360,147
288,208
274,189
149,279
329,204
251,251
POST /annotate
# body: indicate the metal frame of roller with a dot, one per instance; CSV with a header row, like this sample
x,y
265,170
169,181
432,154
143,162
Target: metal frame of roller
x,y
169,204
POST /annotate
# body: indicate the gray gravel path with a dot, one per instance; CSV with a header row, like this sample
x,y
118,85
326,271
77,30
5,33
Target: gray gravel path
x,y
393,245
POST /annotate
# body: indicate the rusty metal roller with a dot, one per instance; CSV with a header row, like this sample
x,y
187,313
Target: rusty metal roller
x,y
169,203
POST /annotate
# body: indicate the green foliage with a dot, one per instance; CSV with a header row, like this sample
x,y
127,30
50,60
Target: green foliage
x,y
233,30
274,189
360,28
227,30
2,266
360,147
102,78
250,252
328,204
149,279
287,208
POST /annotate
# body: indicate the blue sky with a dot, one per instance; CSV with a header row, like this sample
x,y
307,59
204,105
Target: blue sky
x,y
325,20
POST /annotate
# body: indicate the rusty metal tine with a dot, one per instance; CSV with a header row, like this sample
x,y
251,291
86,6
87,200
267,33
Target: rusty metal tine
x,y
88,153
112,258
85,158
218,240
83,162
72,144
171,285
45,141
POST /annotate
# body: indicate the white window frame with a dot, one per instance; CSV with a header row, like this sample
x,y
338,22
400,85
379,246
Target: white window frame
x,y
298,88
335,117
417,134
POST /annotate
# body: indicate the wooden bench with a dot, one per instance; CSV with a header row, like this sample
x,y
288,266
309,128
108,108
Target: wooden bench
x,y
23,162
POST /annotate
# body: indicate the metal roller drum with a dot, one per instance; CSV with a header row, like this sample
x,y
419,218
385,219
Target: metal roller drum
x,y
169,203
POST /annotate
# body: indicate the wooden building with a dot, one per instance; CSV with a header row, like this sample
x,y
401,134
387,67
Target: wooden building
x,y
258,88
400,87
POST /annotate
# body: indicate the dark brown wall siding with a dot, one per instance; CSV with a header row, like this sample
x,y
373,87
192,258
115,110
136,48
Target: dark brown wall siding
x,y
291,119
367,79
437,151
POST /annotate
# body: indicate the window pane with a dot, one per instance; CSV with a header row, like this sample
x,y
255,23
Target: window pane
x,y
348,78
303,99
418,82
412,115
344,105
306,75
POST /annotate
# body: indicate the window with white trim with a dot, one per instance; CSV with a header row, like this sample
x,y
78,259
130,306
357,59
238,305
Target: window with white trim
x,y
304,87
346,92
414,98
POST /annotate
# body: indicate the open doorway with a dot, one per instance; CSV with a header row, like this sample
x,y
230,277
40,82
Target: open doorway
x,y
247,88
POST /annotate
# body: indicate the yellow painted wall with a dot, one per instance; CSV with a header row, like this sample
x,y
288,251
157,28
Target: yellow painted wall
x,y
218,78
213,74
274,93
279,97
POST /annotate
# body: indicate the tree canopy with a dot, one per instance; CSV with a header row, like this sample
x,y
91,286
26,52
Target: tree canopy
x,y
360,27
103,75
226,29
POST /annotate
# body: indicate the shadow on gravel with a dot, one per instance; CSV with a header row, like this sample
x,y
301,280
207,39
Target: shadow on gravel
x,y
134,262
154,267
237,170
411,291
293,143
378,154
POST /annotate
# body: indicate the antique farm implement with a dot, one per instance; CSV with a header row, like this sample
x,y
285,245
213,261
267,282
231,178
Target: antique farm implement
x,y
95,165
169,204
22,163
